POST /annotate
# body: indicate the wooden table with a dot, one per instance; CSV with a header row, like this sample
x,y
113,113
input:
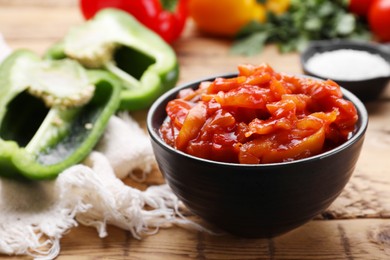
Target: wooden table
x,y
38,24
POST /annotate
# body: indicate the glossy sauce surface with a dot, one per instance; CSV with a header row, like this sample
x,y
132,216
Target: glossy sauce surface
x,y
260,116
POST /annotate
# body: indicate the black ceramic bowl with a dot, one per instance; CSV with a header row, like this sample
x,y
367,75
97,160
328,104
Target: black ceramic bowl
x,y
367,89
255,200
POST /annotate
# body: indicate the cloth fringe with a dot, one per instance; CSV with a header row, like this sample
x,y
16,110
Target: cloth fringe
x,y
88,194
35,215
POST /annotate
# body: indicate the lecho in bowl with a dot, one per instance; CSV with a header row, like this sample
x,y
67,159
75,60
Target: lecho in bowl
x,y
257,177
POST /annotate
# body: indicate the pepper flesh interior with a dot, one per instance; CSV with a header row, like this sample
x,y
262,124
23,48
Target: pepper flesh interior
x,y
95,48
116,42
77,129
40,137
42,97
24,115
123,55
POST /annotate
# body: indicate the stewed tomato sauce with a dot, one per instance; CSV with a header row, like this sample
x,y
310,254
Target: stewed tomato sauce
x,y
260,116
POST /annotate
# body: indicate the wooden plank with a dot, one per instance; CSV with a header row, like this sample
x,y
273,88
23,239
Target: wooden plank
x,y
201,56
36,28
333,240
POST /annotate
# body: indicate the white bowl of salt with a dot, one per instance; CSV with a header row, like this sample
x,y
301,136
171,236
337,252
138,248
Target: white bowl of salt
x,y
361,67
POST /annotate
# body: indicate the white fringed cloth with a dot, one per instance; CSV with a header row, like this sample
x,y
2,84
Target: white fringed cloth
x,y
35,215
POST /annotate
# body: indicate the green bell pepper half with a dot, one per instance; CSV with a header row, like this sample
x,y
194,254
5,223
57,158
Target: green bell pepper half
x,y
52,114
115,41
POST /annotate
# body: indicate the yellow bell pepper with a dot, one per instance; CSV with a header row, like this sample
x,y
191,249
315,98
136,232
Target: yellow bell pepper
x,y
277,6
225,17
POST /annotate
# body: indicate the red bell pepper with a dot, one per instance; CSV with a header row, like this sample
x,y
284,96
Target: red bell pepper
x,y
169,24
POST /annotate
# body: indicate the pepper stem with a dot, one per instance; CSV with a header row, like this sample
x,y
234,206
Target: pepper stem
x,y
130,81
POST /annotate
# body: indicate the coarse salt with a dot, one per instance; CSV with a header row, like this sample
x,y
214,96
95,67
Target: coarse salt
x,y
348,64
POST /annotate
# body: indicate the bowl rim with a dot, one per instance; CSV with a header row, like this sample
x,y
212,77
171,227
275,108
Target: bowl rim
x,y
360,107
321,46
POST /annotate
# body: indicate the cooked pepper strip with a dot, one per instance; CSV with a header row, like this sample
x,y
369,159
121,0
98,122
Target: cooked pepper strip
x,y
52,113
114,41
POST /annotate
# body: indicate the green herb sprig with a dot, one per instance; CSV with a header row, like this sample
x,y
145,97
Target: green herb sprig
x,y
304,21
